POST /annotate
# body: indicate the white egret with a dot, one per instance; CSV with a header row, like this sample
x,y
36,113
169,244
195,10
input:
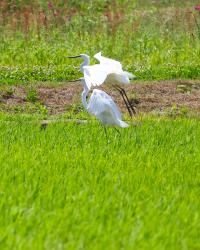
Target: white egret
x,y
109,71
102,107
115,67
86,61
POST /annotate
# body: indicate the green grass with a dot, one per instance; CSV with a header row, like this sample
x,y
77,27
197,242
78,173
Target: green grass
x,y
66,187
155,41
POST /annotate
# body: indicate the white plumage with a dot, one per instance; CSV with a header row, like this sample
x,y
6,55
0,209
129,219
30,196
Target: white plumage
x,y
109,71
107,61
102,107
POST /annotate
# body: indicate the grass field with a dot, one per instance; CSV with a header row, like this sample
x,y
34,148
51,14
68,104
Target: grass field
x,y
158,40
66,185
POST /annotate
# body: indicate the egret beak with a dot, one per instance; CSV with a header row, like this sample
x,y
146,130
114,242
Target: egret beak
x,y
73,56
77,80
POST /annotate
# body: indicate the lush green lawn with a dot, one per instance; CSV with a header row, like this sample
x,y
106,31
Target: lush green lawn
x,y
67,187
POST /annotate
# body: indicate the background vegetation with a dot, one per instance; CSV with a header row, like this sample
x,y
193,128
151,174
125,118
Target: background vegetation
x,y
65,185
154,39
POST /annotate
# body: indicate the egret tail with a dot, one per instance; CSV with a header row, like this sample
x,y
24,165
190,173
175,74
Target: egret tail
x,y
123,124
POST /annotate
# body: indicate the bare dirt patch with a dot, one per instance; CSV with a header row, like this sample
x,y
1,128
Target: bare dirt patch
x,y
146,96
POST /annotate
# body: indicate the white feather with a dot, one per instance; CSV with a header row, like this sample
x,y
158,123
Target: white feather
x,y
102,107
116,66
109,71
101,101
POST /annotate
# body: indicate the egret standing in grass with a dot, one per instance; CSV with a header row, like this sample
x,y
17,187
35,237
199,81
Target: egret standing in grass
x,y
109,71
102,107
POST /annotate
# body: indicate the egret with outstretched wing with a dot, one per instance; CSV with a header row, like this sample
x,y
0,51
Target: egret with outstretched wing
x,y
108,71
116,67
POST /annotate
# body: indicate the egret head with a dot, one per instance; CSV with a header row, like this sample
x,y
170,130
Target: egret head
x,y
86,59
83,56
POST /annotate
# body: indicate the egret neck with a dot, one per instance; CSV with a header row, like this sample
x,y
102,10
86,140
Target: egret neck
x,y
84,93
86,62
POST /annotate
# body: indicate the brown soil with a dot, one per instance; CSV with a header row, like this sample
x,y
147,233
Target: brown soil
x,y
146,97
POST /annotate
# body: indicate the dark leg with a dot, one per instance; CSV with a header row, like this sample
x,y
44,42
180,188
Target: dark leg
x,y
105,130
125,101
124,92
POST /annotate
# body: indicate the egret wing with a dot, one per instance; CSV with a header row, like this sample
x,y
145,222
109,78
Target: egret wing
x,y
100,102
95,75
112,64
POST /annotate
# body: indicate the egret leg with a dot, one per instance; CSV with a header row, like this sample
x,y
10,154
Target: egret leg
x,y
130,105
125,101
105,130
